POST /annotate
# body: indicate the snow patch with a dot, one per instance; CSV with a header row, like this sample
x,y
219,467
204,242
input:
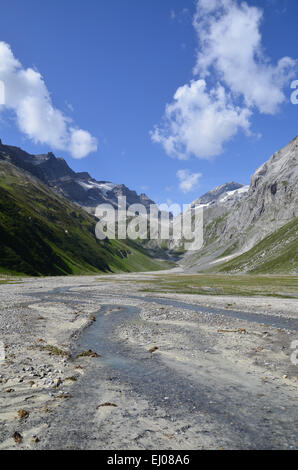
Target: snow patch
x,y
235,193
103,187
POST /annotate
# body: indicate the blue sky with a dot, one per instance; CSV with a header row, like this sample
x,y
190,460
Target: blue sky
x,y
112,67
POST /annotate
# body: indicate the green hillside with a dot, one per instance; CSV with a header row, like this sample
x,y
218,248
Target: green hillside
x,y
42,233
276,254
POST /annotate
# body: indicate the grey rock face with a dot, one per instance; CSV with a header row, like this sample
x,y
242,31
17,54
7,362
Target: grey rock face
x,y
234,221
272,199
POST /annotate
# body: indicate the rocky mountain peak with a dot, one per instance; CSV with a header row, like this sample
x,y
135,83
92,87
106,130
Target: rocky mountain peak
x,y
217,193
78,187
281,167
235,221
83,175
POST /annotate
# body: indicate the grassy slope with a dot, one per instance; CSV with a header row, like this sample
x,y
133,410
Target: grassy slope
x,y
276,254
42,233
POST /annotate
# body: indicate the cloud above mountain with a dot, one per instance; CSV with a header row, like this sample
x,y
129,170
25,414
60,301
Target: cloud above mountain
x,y
188,181
233,79
199,121
27,95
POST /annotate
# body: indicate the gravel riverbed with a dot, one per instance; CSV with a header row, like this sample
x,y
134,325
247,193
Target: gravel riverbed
x,y
171,371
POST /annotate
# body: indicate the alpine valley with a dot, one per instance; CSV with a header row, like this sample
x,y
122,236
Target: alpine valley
x,y
247,229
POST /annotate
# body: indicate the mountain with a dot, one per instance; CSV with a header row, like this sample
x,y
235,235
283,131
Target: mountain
x,y
220,194
237,220
80,188
216,203
246,228
43,233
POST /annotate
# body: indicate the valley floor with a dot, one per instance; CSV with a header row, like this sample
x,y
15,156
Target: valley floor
x,y
219,374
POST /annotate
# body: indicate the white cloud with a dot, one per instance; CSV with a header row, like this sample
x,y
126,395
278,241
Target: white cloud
x,y
198,122
234,78
172,14
2,93
231,43
188,180
208,6
27,95
81,143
